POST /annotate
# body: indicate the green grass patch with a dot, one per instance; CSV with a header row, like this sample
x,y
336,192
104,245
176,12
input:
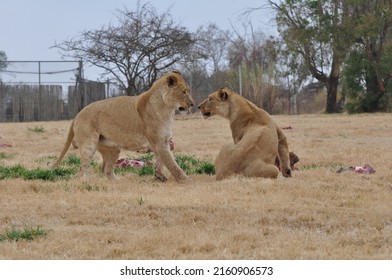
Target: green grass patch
x,y
5,155
38,129
47,159
311,166
71,160
142,171
141,201
19,171
205,167
91,187
146,157
145,170
28,233
190,165
74,160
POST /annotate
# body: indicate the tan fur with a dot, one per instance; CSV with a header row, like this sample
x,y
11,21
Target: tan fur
x,y
257,138
131,123
293,160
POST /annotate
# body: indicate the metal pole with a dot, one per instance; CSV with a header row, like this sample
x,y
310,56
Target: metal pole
x,y
289,97
39,74
107,88
240,78
40,112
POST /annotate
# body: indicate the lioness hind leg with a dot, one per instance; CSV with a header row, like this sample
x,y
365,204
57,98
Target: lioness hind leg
x,y
87,149
260,169
109,157
86,155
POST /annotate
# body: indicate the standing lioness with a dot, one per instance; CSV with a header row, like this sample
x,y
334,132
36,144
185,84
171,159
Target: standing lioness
x,y
131,123
257,139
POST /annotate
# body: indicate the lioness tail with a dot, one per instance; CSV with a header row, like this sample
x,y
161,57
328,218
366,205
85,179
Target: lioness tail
x,y
66,147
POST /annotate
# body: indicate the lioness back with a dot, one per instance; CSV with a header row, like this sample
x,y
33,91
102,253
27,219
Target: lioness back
x,y
115,119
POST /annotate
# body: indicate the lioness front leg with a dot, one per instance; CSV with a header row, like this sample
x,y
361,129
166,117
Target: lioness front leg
x,y
284,155
158,169
224,165
163,155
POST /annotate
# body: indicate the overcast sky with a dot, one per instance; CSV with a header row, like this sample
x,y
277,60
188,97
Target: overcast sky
x,y
28,28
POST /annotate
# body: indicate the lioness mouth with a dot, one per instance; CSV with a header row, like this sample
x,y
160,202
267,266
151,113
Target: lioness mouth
x,y
207,114
181,109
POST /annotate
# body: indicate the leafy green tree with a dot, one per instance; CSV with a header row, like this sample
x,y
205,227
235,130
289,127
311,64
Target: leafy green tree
x,y
319,31
367,73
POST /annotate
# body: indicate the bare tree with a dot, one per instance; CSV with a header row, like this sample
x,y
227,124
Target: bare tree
x,y
3,60
135,51
256,56
212,44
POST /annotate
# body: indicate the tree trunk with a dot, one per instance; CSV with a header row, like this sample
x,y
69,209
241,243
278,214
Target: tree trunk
x,y
374,82
332,84
374,94
131,90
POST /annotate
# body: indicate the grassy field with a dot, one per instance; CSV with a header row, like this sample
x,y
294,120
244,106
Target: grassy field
x,y
317,214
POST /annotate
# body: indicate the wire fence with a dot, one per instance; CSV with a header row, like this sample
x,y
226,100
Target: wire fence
x,y
47,90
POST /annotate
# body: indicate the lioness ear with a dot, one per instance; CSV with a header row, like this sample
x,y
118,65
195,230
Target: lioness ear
x,y
222,95
172,80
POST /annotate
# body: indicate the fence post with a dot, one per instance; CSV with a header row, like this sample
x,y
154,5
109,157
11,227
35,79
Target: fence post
x,y
40,111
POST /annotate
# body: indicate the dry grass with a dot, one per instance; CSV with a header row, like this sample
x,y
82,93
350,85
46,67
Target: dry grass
x,y
317,214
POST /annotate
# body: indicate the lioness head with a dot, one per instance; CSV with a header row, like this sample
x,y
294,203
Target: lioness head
x,y
216,104
178,93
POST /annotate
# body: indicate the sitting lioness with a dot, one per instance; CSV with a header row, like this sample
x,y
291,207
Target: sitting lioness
x,y
131,123
257,138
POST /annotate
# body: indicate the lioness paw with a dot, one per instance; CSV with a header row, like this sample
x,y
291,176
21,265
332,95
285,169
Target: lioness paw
x,y
160,177
287,173
184,179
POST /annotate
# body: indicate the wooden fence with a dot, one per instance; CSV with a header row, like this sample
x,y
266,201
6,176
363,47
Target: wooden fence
x,y
24,103
79,97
